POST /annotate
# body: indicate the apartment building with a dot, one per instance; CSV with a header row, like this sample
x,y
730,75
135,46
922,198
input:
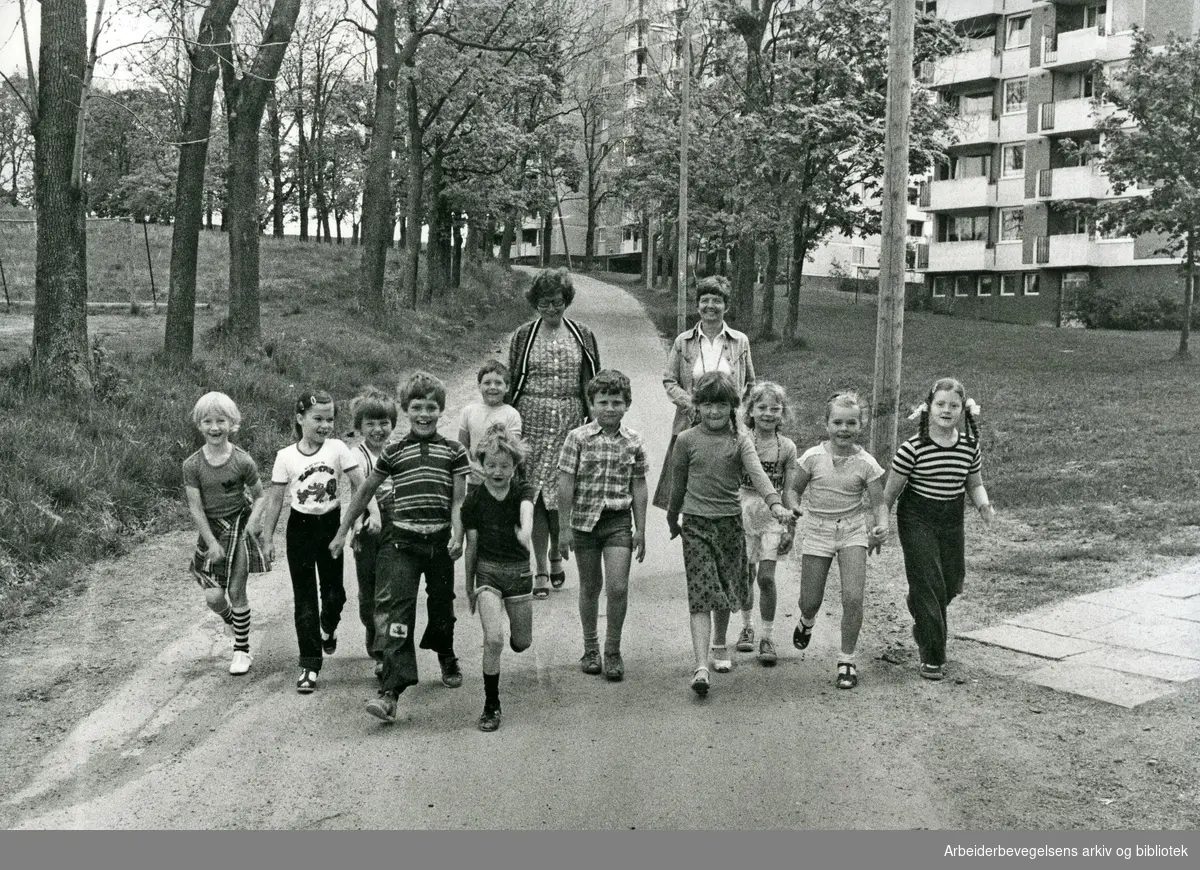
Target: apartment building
x,y
1008,241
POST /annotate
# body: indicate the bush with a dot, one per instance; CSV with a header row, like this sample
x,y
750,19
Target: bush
x,y
1103,308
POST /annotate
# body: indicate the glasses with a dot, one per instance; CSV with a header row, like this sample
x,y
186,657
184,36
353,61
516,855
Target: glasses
x,y
555,304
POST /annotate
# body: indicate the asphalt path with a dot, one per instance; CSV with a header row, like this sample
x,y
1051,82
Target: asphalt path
x,y
181,744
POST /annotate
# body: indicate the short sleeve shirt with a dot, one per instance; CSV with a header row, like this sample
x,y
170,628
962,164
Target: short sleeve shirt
x,y
312,481
604,467
497,522
477,418
422,472
935,471
777,468
222,487
837,485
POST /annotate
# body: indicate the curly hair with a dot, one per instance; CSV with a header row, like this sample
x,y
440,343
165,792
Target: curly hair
x,y
716,285
497,439
757,392
549,282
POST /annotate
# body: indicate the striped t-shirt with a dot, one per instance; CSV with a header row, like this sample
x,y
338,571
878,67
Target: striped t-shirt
x,y
935,471
422,472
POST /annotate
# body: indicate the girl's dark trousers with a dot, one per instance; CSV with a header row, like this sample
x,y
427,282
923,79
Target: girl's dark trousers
x,y
931,535
308,555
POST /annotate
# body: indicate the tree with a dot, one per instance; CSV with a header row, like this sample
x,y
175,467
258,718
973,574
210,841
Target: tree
x,y
60,362
1159,92
194,136
245,100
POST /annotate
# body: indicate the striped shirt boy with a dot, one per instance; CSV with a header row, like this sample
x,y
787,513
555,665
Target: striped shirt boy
x,y
421,472
934,471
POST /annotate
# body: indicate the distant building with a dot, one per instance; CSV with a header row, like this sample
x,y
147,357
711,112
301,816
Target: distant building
x,y
1006,245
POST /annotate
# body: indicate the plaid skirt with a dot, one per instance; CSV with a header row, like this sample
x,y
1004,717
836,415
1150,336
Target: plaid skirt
x,y
714,559
231,533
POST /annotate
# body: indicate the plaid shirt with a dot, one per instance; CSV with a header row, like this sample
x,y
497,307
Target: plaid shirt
x,y
604,467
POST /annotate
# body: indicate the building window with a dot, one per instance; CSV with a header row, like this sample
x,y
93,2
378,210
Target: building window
x,y
1094,16
1032,284
858,255
1016,95
1012,222
916,229
963,285
1088,85
1012,160
941,284
914,194
1016,35
1009,284
985,285
964,229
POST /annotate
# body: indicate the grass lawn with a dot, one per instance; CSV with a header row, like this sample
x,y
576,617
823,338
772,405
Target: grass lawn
x,y
1090,450
86,479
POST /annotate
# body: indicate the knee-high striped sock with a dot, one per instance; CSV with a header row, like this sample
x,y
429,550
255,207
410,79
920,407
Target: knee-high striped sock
x,y
241,630
226,614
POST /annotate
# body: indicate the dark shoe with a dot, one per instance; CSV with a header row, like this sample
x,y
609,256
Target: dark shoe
x,y
766,652
931,672
590,663
490,720
451,673
745,641
307,683
802,635
614,667
847,675
383,707
540,590
557,579
379,670
329,643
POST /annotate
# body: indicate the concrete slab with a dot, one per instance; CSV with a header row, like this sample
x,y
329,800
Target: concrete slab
x,y
1027,640
1112,687
1182,584
1126,598
1069,617
1187,643
1142,631
1160,666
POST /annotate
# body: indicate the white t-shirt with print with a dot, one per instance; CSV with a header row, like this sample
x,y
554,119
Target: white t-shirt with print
x,y
312,481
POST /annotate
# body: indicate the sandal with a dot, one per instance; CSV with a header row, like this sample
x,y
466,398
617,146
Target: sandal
x,y
540,590
700,681
931,672
558,578
847,675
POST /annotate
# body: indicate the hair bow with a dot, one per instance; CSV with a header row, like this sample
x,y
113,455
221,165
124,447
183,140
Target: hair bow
x,y
973,408
918,411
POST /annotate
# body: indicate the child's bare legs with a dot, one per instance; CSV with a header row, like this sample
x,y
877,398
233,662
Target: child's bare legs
x,y
591,580
545,540
852,566
520,624
616,572
768,595
491,620
701,625
814,571
721,661
238,572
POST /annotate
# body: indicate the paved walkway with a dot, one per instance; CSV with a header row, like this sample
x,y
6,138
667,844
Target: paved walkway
x,y
1126,645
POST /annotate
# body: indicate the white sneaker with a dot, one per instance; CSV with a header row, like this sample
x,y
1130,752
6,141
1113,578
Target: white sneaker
x,y
241,663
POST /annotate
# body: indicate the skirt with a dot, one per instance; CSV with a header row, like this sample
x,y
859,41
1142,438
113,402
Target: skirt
x,y
714,558
231,533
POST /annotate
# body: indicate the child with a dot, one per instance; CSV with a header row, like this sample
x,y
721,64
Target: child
x,y
498,519
601,477
307,473
374,419
477,417
934,469
216,479
837,475
707,465
423,535
766,540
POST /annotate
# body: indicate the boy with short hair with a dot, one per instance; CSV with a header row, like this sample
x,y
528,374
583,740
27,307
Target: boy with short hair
x,y
601,481
477,417
374,419
423,534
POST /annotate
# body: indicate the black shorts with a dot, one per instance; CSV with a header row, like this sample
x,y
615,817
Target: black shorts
x,y
613,529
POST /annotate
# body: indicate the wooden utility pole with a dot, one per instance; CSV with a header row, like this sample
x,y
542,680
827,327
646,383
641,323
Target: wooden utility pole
x,y
889,331
685,108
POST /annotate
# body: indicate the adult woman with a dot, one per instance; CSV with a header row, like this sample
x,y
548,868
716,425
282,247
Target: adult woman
x,y
709,346
551,359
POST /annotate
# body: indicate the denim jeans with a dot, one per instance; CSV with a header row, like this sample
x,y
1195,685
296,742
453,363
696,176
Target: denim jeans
x,y
365,557
398,569
308,556
931,535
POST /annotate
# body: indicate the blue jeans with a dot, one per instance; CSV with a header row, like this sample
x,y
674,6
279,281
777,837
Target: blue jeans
x,y
398,568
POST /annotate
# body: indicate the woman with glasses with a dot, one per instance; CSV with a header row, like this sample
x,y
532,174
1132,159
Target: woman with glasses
x,y
551,358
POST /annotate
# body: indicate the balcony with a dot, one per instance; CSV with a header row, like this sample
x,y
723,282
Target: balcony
x,y
1073,182
1074,250
1014,62
1079,49
960,10
1068,116
1007,256
958,256
968,66
974,128
959,193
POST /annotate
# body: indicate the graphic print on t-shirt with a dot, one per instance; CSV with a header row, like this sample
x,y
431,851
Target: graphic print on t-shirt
x,y
318,483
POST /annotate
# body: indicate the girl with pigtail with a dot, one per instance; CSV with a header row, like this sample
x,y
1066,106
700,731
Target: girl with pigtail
x,y
931,474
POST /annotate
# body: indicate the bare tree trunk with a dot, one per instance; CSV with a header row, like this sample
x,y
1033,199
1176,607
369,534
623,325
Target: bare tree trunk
x,y
791,327
245,100
547,246
1189,294
767,330
416,181
511,223
190,200
437,264
378,209
303,191
457,252
60,360
486,240
275,134
743,281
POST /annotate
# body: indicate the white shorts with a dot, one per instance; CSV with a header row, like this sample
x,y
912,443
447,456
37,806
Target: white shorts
x,y
825,537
